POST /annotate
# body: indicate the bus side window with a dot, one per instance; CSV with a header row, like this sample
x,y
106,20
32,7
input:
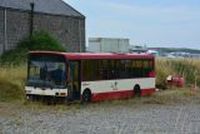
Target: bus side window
x,y
110,69
105,73
96,72
91,70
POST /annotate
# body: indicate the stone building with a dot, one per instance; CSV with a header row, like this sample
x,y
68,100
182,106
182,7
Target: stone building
x,y
18,18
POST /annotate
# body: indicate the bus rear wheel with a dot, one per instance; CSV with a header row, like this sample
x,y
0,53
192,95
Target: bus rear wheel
x,y
86,97
137,91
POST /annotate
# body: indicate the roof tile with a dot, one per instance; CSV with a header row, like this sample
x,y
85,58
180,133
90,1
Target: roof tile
x,y
55,7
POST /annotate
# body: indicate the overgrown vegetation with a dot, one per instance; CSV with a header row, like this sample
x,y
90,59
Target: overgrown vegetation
x,y
12,80
172,96
39,41
188,68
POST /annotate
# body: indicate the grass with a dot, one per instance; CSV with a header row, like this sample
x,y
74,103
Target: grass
x,y
188,68
163,97
174,96
166,97
12,80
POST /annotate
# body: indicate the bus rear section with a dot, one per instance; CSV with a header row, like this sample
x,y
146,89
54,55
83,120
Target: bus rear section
x,y
112,78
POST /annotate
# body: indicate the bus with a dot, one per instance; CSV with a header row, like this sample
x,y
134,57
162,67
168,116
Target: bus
x,y
89,77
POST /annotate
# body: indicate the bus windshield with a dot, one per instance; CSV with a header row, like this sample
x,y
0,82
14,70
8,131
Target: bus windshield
x,y
47,71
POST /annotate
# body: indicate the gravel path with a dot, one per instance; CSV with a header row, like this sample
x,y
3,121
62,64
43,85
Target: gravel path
x,y
103,119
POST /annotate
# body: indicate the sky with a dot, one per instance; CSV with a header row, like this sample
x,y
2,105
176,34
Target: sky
x,y
155,23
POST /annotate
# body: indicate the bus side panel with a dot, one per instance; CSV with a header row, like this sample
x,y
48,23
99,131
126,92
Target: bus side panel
x,y
112,95
119,89
119,95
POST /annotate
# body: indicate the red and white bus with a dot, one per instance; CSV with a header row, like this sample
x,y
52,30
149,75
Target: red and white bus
x,y
89,76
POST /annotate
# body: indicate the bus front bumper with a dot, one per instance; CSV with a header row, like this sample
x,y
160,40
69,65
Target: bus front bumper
x,y
48,92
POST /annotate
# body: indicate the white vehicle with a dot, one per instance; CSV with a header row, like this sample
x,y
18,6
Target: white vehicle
x,y
89,76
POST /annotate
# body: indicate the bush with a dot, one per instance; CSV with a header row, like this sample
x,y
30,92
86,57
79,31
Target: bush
x,y
39,41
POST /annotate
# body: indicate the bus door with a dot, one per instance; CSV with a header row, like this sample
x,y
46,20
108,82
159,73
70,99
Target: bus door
x,y
74,91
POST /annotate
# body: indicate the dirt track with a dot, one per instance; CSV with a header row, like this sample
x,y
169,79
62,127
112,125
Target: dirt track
x,y
101,119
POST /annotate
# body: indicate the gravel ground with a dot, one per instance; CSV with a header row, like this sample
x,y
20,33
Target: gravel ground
x,y
101,119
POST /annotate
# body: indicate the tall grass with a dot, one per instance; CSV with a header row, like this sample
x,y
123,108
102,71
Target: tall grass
x,y
188,68
12,80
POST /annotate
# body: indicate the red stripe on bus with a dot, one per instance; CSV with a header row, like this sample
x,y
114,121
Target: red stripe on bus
x,y
78,56
119,95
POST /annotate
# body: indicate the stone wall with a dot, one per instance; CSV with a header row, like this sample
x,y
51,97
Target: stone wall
x,y
69,31
17,27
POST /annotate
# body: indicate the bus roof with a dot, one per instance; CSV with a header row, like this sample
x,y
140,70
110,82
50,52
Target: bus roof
x,y
82,56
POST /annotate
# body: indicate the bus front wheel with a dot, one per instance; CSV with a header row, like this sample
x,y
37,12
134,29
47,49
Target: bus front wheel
x,y
86,97
137,91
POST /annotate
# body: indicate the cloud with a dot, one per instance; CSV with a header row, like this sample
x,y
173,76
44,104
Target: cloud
x,y
167,13
152,23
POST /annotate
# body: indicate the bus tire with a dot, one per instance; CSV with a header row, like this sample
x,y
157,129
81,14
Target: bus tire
x,y
86,97
137,91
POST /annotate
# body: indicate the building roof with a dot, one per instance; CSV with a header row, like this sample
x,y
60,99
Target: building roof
x,y
54,7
